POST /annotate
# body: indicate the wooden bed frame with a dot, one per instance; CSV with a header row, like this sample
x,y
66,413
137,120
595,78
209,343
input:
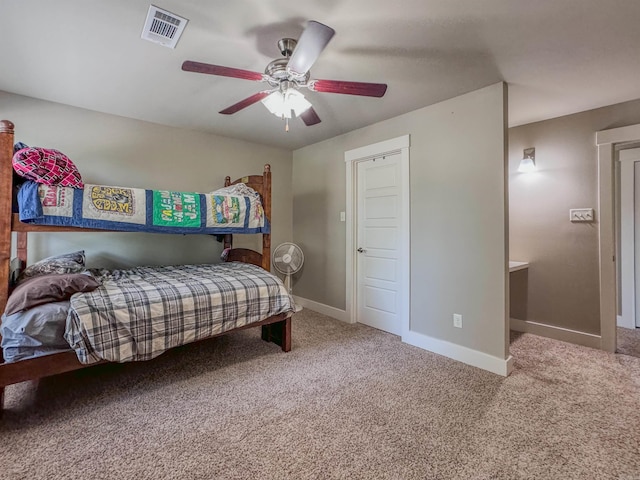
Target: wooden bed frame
x,y
275,329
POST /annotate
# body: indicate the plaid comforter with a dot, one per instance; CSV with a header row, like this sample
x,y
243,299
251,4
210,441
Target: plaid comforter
x,y
137,314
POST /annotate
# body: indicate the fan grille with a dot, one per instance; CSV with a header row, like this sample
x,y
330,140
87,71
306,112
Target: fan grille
x,y
288,258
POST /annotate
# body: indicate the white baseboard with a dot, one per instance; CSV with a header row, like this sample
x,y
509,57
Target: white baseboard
x,y
462,354
327,310
557,333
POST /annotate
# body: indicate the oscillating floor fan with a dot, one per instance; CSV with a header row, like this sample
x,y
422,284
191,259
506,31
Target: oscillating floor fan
x,y
288,259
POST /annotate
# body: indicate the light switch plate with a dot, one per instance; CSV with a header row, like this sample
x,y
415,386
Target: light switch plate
x,y
581,215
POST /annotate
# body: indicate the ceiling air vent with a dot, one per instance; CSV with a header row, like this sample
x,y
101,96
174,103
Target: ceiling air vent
x,y
163,27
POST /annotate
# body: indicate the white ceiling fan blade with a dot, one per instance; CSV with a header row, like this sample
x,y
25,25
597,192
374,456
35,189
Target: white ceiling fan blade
x,y
278,259
291,249
310,45
293,266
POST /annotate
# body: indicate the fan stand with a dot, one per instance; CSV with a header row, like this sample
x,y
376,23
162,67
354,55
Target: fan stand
x,y
287,284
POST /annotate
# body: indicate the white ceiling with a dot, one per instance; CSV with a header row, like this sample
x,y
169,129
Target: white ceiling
x,y
558,56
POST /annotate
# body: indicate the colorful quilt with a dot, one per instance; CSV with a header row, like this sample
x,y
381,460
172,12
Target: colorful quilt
x,y
139,313
141,210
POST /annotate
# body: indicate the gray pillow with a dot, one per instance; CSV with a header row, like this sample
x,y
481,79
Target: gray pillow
x,y
41,326
67,263
48,288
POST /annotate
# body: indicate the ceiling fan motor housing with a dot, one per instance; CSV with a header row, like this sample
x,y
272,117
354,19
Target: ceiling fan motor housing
x,y
277,69
286,46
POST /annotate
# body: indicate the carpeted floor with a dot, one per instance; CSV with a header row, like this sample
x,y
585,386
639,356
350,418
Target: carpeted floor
x,y
347,402
628,341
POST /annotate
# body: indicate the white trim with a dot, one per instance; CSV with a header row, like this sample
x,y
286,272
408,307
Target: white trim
x,y
377,149
556,333
499,366
606,140
405,240
327,310
629,155
618,135
606,249
350,261
627,317
515,266
351,158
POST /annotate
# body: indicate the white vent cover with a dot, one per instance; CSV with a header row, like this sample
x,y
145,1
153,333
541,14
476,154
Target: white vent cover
x,y
163,27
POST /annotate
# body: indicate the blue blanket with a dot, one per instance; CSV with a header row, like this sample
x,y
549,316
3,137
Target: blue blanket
x,y
140,210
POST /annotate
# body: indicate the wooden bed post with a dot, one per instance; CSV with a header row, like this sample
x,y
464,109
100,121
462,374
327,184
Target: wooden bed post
x,y
266,204
6,196
228,238
6,193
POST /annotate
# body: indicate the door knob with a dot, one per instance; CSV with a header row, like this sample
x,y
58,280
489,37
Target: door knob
x,y
361,250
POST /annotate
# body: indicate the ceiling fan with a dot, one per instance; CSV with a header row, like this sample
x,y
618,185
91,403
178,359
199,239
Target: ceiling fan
x,y
287,75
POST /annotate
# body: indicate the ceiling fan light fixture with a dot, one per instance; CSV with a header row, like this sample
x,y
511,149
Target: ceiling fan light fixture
x,y
275,104
297,102
282,104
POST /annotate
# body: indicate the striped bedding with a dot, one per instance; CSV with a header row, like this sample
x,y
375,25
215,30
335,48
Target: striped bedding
x,y
138,314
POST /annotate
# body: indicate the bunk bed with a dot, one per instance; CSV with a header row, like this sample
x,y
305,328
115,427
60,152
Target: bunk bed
x,y
275,328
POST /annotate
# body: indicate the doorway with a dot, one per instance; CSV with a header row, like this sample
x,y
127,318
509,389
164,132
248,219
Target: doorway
x,y
628,213
378,235
610,143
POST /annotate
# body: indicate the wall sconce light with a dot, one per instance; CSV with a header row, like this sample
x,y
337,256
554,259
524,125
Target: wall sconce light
x,y
528,162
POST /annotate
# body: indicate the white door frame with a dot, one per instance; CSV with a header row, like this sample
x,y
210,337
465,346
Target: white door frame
x,y
352,157
607,140
627,159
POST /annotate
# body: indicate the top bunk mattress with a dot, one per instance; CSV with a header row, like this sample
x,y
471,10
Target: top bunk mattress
x,y
235,209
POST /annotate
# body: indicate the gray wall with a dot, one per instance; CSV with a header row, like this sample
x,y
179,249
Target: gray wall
x,y
115,150
458,229
561,287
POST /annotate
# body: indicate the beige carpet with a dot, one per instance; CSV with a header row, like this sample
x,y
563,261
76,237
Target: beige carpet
x,y
628,341
347,402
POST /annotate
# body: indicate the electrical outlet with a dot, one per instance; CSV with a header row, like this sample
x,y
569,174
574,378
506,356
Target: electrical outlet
x,y
457,320
581,215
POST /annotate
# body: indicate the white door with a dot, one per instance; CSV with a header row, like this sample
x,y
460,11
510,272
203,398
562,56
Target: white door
x,y
378,243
